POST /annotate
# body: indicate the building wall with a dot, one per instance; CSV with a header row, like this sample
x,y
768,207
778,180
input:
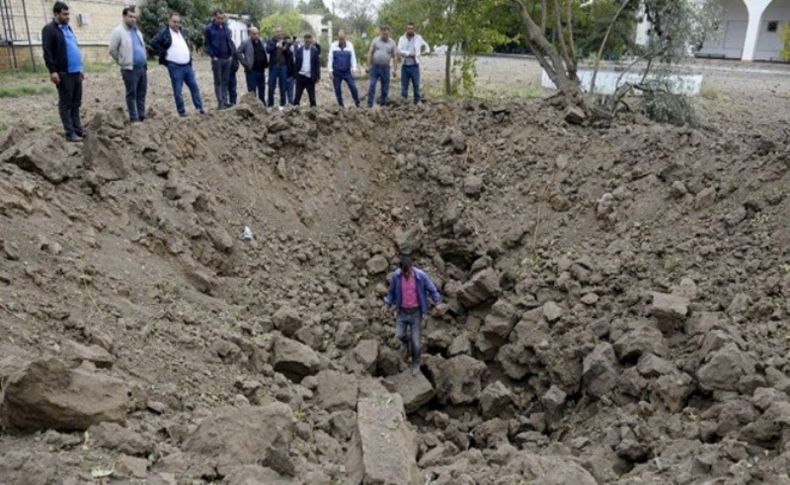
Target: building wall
x,y
728,40
770,43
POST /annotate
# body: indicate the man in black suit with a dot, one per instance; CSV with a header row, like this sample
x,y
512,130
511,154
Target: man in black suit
x,y
307,65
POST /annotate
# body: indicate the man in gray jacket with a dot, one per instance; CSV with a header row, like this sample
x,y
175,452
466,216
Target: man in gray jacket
x,y
128,50
252,55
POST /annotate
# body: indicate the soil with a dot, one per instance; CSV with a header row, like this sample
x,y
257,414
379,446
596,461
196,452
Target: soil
x,y
616,300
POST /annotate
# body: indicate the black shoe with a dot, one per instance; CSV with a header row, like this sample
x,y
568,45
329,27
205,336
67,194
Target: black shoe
x,y
73,138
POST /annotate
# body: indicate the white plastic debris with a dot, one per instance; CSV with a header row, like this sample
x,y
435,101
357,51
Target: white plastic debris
x,y
247,234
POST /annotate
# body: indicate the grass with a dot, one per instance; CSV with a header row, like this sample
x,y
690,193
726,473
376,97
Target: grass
x,y
26,73
25,90
708,92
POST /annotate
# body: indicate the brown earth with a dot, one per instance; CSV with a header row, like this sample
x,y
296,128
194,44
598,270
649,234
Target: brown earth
x,y
618,299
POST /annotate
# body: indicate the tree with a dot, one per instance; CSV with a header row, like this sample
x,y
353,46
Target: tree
x,y
360,15
291,21
676,25
785,52
194,16
470,27
314,7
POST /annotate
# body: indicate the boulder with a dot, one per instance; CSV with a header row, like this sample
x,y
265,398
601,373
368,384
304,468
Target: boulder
x,y
669,310
384,449
458,379
47,394
723,368
42,155
294,359
365,355
641,338
546,470
336,390
414,390
599,373
344,335
409,241
652,366
499,322
483,287
245,435
551,311
672,391
87,353
496,399
553,399
378,264
287,320
113,436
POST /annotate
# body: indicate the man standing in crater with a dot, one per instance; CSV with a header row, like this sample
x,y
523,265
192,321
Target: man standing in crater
x,y
409,291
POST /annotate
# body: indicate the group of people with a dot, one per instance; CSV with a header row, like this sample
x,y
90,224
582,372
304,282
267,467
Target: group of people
x,y
293,65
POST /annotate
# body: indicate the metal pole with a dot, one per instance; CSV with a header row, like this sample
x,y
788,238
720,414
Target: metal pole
x,y
29,40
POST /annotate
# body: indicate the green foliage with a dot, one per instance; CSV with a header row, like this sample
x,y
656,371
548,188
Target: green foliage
x,y
592,22
290,20
25,90
195,14
785,52
314,7
660,105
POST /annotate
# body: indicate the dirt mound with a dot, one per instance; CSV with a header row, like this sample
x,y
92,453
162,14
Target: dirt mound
x,y
618,299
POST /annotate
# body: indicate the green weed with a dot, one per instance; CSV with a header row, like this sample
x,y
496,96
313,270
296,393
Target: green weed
x,y
24,90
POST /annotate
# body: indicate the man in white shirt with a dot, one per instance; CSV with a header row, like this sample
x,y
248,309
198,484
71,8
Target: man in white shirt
x,y
307,64
410,48
342,64
172,46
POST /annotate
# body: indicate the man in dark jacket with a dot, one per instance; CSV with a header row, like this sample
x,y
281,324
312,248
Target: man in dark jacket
x,y
64,62
172,46
409,291
307,68
252,55
220,47
280,65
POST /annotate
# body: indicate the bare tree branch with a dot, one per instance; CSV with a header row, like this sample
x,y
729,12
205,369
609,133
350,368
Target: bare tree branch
x,y
603,44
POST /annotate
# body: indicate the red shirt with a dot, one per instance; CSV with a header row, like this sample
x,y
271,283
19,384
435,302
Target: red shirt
x,y
409,293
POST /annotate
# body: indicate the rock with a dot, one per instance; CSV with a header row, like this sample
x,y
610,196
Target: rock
x,y
599,373
130,466
336,390
575,115
652,366
255,475
383,450
723,369
461,344
287,320
551,311
378,264
47,394
553,399
458,379
365,355
495,400
703,322
590,299
669,310
115,437
632,451
414,390
499,322
473,185
344,335
549,470
482,287
678,189
246,435
42,155
672,391
294,359
409,241
705,198
641,338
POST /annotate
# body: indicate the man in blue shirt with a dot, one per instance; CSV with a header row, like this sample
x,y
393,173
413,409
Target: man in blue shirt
x,y
126,47
221,49
64,63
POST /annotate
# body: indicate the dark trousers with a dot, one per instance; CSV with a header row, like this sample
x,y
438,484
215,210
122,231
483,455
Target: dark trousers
x,y
278,74
180,75
409,332
337,80
69,102
256,83
233,93
410,74
379,73
136,83
302,83
221,70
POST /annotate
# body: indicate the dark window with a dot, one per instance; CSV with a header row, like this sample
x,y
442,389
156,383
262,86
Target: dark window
x,y
773,26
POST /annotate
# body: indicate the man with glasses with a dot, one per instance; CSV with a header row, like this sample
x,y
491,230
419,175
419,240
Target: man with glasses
x,y
172,46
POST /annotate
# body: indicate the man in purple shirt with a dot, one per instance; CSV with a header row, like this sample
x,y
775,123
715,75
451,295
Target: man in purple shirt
x,y
409,291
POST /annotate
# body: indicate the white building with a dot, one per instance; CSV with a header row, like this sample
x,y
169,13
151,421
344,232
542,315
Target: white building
x,y
749,30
